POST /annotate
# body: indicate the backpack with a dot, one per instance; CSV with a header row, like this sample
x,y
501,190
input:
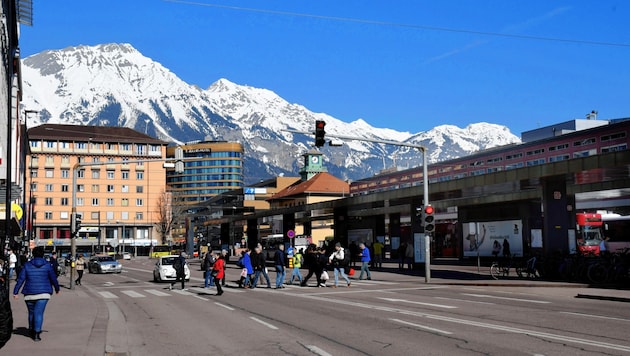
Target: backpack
x,y
346,258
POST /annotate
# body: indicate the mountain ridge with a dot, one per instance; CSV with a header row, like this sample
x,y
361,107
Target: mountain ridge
x,y
115,85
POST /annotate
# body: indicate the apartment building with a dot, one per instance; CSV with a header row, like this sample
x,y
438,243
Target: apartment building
x,y
120,180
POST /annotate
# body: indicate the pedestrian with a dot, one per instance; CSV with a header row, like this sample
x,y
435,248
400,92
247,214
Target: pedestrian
x,y
54,263
409,255
506,248
208,262
297,264
279,263
259,262
364,254
378,254
218,272
80,266
339,262
401,255
12,263
248,270
179,264
224,254
313,265
38,279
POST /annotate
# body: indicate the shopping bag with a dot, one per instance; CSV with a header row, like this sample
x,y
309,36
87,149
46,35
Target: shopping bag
x,y
324,276
351,272
244,272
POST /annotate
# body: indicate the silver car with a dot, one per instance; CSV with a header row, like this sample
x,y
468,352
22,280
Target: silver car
x,y
104,264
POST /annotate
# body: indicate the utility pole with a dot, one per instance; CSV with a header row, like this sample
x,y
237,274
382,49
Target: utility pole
x,y
320,140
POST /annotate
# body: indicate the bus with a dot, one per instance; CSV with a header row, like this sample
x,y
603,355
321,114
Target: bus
x,y
617,228
161,250
589,233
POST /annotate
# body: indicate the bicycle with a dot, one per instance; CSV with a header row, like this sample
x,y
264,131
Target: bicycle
x,y
498,269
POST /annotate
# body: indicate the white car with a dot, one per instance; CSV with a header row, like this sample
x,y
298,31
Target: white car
x,y
126,256
164,271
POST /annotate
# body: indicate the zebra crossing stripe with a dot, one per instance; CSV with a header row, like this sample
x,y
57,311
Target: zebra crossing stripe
x,y
132,294
108,295
157,293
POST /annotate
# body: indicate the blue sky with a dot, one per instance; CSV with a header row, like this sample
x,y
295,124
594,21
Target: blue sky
x,y
409,65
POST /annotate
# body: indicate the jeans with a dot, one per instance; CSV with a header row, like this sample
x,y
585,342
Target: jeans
x,y
36,314
257,274
11,270
340,270
296,273
280,274
365,268
209,281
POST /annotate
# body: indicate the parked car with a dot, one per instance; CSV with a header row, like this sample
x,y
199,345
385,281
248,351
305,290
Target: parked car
x,y
126,256
104,264
164,271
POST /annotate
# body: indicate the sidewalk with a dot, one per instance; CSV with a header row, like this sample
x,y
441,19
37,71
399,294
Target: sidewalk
x,y
74,324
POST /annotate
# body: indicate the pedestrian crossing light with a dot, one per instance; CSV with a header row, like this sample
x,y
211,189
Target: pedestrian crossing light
x,y
320,140
77,225
428,219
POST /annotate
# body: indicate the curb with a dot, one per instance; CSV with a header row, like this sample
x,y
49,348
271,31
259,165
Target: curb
x,y
603,297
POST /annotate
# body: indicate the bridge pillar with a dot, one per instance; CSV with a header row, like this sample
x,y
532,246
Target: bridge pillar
x,y
288,223
341,225
556,215
252,232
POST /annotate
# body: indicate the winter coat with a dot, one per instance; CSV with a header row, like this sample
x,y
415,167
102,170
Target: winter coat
x,y
279,258
257,260
336,258
247,263
37,277
365,255
218,266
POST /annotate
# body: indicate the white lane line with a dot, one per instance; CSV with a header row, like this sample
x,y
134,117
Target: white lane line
x,y
108,295
182,292
467,322
421,326
506,298
157,292
465,300
132,294
108,284
316,350
198,297
264,323
596,316
366,282
224,306
419,303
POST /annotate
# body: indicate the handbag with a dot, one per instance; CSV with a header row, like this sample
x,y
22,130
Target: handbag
x,y
325,276
214,273
351,272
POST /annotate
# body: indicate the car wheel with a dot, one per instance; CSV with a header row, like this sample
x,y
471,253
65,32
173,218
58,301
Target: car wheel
x,y
154,277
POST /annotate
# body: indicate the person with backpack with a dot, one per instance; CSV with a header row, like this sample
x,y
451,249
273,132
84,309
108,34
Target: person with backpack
x,y
339,260
180,271
208,263
297,264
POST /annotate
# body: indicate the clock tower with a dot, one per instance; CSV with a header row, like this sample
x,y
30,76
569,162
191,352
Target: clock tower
x,y
313,164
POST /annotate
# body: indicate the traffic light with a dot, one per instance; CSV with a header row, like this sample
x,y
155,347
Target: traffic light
x,y
320,140
428,219
77,225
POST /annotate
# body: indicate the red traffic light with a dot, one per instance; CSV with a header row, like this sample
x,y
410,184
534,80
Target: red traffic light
x,y
428,209
319,124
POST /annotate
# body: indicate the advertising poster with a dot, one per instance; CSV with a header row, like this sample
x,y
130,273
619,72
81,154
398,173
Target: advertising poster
x,y
483,238
418,248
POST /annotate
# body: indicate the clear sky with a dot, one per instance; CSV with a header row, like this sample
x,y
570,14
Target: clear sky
x,y
409,65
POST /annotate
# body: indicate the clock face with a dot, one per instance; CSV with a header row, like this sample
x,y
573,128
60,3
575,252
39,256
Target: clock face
x,y
315,159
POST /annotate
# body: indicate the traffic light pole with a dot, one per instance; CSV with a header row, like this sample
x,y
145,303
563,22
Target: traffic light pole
x,y
425,181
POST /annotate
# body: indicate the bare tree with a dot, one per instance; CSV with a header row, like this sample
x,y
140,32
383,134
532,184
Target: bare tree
x,y
170,210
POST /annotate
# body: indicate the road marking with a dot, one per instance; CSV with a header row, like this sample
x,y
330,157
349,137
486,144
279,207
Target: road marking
x,y
506,298
116,339
108,295
465,300
419,303
498,327
132,294
224,306
157,292
263,323
366,282
596,316
316,350
108,284
182,292
421,326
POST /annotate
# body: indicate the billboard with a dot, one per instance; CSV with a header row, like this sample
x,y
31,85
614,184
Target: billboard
x,y
480,238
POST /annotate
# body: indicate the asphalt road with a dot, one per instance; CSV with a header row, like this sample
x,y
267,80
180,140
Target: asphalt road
x,y
392,314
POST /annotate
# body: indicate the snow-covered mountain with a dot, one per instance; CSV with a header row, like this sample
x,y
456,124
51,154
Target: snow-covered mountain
x,y
115,85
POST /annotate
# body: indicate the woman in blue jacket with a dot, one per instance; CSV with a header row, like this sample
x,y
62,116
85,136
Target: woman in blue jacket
x,y
38,278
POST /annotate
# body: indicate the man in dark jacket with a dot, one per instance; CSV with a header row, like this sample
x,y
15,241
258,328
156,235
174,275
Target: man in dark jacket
x,y
311,259
38,279
180,270
279,263
259,264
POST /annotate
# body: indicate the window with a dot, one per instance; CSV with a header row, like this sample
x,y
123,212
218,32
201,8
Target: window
x,y
96,159
81,173
110,201
124,202
125,147
110,188
80,202
50,173
95,215
80,188
50,159
139,216
64,201
110,146
124,215
33,173
587,141
50,144
48,201
109,215
64,188
95,188
141,149
125,175
33,187
536,151
110,175
81,159
80,145
94,201
64,215
34,144
124,188
139,189
139,202
621,147
65,173
613,136
49,187
64,144
65,159
139,175
48,215
96,174
95,145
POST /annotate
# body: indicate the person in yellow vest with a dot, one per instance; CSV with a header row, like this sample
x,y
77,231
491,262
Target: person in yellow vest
x,y
297,264
378,254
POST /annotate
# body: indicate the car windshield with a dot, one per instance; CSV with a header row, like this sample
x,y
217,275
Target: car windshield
x,y
106,259
168,260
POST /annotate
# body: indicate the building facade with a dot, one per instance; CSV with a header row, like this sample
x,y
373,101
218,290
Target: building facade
x,y
120,180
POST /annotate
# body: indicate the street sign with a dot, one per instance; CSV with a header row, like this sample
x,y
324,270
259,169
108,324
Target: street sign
x,y
291,234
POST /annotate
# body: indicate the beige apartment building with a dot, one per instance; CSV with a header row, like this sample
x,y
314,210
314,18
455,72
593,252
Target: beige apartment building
x,y
118,187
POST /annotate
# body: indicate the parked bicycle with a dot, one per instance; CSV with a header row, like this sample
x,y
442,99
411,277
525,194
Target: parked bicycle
x,y
501,268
